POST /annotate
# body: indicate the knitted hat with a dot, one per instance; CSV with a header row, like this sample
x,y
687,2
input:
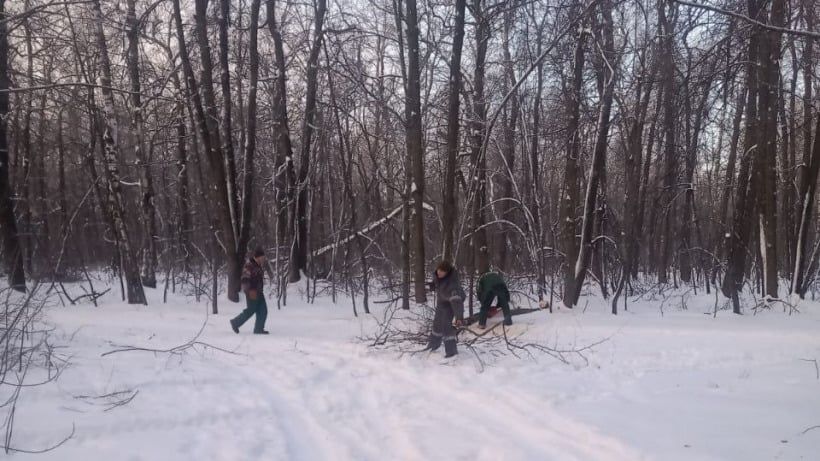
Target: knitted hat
x,y
445,266
258,252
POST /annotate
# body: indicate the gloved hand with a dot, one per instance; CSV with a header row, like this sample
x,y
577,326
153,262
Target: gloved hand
x,y
431,286
252,295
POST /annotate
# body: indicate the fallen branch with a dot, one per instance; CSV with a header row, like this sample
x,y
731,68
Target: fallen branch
x,y
45,450
182,348
813,427
111,400
93,295
816,366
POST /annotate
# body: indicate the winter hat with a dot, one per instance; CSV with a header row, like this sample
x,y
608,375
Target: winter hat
x,y
445,266
258,252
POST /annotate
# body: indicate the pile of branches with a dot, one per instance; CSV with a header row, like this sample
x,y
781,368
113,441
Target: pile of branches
x,y
27,359
407,332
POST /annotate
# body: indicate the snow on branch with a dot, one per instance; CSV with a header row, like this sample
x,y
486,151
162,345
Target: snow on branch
x,y
370,227
803,33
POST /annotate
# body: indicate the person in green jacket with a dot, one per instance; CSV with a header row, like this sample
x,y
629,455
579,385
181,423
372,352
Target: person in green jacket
x,y
491,286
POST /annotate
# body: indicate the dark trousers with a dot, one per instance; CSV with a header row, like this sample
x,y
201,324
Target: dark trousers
x,y
443,330
443,322
256,306
503,296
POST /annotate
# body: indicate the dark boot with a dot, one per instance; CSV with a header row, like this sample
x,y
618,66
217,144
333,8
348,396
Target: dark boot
x,y
434,342
234,327
450,348
482,318
507,321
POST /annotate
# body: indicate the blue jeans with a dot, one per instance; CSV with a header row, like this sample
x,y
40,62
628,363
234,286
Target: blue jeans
x,y
256,306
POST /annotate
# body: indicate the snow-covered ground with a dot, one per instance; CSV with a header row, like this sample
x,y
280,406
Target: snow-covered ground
x,y
681,385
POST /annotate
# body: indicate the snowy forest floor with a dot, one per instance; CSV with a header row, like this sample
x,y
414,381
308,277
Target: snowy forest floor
x,y
661,383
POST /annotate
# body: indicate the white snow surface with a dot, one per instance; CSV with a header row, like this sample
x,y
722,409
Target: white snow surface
x,y
666,383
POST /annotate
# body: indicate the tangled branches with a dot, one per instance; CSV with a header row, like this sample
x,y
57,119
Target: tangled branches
x,y
27,360
408,331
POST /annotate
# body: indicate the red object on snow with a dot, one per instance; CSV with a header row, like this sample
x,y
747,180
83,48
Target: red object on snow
x,y
492,311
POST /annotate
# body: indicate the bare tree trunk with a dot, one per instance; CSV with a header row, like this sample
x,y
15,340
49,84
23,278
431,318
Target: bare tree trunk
x,y
206,120
285,179
670,164
479,161
569,192
634,164
226,125
689,221
766,161
744,201
12,250
510,122
298,260
149,219
406,268
643,194
598,167
24,185
414,147
731,163
450,210
111,148
533,188
807,175
250,136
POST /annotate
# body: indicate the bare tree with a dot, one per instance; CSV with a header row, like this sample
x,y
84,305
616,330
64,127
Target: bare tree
x,y
608,70
150,237
128,260
414,148
454,87
12,250
569,192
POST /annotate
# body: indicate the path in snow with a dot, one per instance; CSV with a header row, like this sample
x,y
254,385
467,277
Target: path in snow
x,y
293,397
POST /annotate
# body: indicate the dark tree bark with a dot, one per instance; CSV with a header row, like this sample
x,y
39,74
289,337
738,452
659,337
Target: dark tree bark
x,y
533,194
569,197
298,259
206,121
598,167
479,162
509,124
808,172
744,196
450,210
226,125
666,13
633,168
149,218
285,175
250,136
128,259
415,148
12,251
765,177
407,209
731,164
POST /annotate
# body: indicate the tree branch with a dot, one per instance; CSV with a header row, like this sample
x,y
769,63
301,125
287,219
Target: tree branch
x,y
802,33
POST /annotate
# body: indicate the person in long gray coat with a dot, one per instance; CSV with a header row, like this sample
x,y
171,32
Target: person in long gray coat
x,y
449,306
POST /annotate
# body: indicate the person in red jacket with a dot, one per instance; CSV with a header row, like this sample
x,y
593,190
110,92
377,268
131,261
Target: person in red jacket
x,y
253,276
